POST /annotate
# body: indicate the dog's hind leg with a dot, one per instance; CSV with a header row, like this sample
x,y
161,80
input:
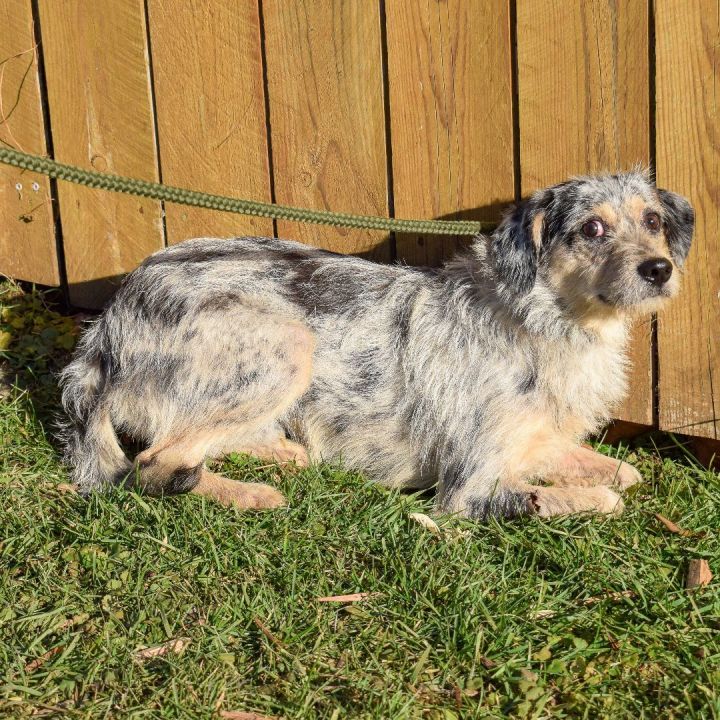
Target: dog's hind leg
x,y
271,444
226,392
177,466
242,495
518,499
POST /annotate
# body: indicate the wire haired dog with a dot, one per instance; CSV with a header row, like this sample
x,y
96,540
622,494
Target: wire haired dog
x,y
481,377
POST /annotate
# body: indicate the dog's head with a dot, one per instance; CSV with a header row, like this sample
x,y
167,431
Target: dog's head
x,y
603,244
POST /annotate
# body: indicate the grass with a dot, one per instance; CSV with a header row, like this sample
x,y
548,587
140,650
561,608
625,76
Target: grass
x,y
578,617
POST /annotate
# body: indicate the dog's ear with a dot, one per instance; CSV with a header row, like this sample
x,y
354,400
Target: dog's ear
x,y
679,220
516,245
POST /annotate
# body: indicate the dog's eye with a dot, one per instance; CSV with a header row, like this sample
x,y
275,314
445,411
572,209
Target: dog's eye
x,y
652,221
593,229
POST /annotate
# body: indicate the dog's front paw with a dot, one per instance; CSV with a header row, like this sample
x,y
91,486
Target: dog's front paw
x,y
626,476
552,501
607,501
583,467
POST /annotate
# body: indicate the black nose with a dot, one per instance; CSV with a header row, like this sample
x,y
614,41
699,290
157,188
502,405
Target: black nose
x,y
656,271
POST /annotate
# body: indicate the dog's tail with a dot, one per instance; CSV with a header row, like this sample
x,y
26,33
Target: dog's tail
x,y
92,448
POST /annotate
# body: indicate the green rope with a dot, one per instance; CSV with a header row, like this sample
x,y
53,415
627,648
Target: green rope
x,y
156,191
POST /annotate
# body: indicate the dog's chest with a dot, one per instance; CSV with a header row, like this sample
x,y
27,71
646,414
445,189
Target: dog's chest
x,y
580,389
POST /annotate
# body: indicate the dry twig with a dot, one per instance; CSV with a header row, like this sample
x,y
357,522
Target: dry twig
x,y
40,661
268,633
353,597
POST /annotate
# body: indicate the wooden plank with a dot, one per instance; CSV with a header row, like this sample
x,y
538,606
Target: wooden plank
x,y
27,234
210,111
324,72
101,117
688,162
451,118
583,75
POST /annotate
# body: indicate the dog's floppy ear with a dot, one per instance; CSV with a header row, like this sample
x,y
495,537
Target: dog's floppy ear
x,y
679,220
516,245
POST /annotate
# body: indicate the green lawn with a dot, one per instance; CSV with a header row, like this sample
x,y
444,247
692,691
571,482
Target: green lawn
x,y
581,617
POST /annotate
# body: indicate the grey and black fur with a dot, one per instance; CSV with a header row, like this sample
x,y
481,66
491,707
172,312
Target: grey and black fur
x,y
480,378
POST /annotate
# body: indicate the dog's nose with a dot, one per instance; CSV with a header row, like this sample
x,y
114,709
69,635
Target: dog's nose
x,y
656,271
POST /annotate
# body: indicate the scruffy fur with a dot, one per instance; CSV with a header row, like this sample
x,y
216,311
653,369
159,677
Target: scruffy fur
x,y
480,378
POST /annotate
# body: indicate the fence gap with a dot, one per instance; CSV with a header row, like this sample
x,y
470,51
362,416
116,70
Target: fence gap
x,y
268,125
153,110
388,132
57,220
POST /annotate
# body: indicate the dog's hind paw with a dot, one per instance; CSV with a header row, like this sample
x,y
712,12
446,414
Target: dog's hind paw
x,y
282,452
256,496
244,496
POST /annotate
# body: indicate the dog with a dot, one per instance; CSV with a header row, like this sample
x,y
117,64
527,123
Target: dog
x,y
480,378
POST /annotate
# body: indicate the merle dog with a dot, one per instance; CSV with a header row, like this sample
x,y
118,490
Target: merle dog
x,y
480,378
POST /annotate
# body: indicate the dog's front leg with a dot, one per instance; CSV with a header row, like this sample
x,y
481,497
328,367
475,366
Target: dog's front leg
x,y
582,466
481,500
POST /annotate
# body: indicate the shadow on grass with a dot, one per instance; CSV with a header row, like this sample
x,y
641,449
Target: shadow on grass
x,y
36,342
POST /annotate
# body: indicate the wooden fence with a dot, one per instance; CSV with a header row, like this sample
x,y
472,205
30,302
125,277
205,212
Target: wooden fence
x,y
395,107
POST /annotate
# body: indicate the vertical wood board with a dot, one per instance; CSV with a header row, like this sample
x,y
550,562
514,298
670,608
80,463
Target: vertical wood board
x,y
583,87
101,117
688,138
450,99
27,234
210,111
324,71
